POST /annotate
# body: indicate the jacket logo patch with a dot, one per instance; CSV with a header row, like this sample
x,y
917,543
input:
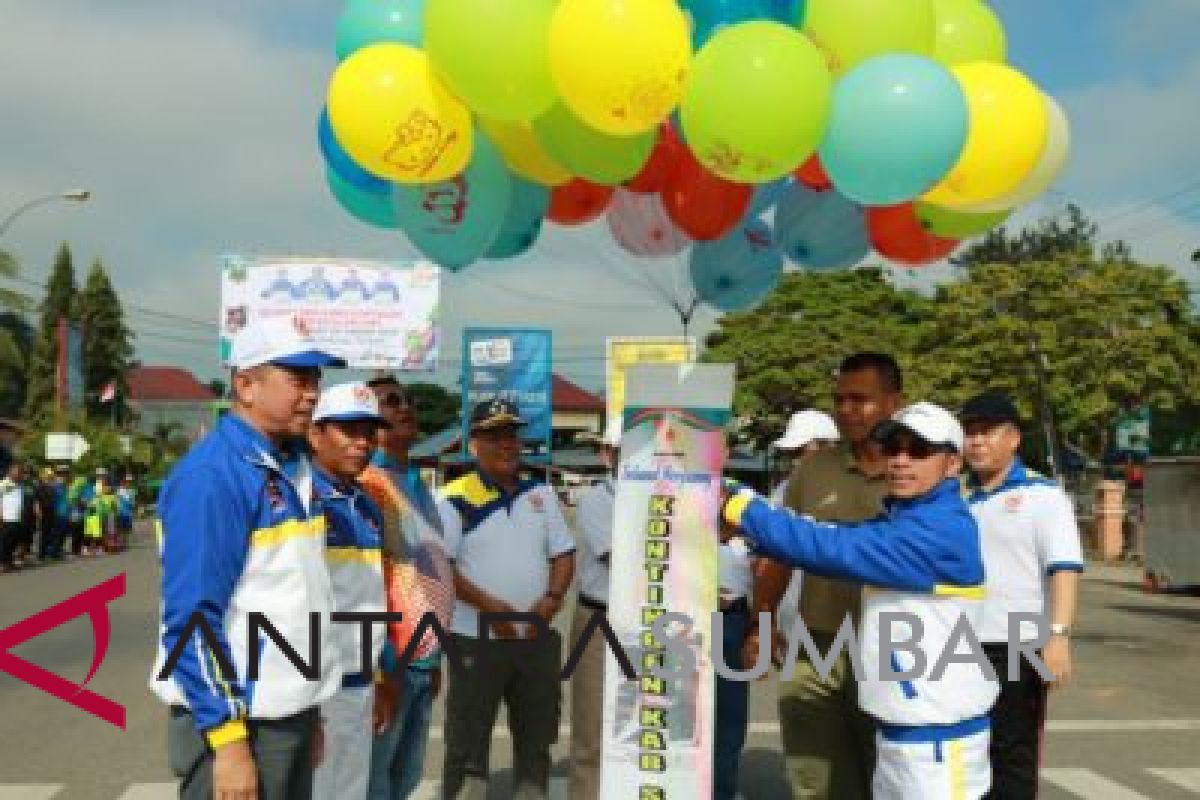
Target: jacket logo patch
x,y
537,501
1013,503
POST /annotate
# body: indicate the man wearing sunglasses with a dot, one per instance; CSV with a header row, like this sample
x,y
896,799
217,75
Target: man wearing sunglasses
x,y
920,560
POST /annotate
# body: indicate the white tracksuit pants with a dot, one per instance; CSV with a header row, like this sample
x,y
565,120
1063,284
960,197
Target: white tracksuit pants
x,y
345,770
950,769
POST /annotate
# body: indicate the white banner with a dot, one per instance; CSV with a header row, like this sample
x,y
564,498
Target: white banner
x,y
658,734
376,315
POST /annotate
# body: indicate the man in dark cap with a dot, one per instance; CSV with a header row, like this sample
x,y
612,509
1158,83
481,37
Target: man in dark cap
x,y
512,551
1032,557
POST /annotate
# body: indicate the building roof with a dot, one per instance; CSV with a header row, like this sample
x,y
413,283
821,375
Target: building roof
x,y
166,384
566,396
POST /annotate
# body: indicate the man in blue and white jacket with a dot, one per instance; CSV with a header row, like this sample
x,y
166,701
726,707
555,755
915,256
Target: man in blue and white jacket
x,y
239,535
920,559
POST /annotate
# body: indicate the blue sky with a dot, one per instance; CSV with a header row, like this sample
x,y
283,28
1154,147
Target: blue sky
x,y
193,123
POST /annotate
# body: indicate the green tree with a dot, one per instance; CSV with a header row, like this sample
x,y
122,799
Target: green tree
x,y
107,349
59,302
1070,233
15,341
788,349
437,409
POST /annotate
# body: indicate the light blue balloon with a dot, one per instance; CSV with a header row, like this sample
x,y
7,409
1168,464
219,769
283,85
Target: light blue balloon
x,y
709,16
367,22
369,207
738,271
523,223
821,230
897,126
340,161
453,222
767,196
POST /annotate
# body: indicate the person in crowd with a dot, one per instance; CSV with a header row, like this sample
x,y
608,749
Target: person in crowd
x,y
12,516
240,533
921,558
827,740
51,503
593,521
99,524
512,551
126,511
1033,558
342,438
420,581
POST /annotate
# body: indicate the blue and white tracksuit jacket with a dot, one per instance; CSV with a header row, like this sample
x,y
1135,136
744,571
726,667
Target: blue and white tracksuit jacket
x,y
921,557
239,534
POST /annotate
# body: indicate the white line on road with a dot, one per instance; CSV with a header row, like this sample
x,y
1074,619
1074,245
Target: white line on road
x,y
150,791
1089,784
1184,778
1052,726
427,789
29,791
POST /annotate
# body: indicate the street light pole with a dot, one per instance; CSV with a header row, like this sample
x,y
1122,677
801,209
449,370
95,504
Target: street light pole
x,y
74,196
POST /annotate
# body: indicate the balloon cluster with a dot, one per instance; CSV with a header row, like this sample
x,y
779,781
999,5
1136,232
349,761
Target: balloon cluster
x,y
751,131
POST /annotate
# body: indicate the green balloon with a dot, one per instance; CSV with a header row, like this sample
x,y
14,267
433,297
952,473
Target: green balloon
x,y
493,54
851,31
588,153
966,31
757,102
957,224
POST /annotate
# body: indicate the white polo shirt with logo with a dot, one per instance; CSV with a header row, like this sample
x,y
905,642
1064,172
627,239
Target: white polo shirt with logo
x,y
503,543
1028,532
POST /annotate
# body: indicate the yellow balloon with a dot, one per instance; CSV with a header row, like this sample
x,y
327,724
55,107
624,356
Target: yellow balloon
x,y
1006,137
523,153
620,65
1050,164
396,119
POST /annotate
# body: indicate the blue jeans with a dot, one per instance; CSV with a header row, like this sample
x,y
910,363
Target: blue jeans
x,y
398,755
733,700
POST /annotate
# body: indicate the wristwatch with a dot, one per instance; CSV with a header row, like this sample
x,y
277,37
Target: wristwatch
x,y
1059,629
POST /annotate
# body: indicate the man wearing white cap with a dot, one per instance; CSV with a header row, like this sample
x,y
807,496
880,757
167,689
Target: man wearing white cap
x,y
920,560
239,534
345,426
594,522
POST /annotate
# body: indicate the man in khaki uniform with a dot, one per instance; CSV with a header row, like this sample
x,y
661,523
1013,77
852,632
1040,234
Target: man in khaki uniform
x,y
828,741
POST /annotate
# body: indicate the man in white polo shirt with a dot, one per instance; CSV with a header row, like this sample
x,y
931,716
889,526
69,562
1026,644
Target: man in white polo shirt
x,y
512,552
1032,556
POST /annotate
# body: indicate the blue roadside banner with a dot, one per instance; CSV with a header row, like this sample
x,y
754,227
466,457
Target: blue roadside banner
x,y
511,364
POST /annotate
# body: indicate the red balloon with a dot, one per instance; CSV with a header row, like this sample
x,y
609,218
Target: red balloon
x,y
658,168
578,201
812,174
896,233
704,206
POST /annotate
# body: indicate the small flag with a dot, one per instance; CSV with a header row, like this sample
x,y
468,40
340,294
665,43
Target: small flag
x,y
109,392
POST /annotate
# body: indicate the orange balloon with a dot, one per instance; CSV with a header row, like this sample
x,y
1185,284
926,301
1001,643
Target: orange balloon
x,y
578,201
703,205
897,234
812,174
660,166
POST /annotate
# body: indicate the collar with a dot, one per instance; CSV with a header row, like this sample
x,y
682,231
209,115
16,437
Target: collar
x,y
328,487
251,443
846,451
1017,476
948,488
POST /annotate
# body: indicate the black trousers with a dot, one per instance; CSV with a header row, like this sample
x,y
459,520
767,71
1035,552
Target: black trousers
x,y
1017,721
10,536
282,750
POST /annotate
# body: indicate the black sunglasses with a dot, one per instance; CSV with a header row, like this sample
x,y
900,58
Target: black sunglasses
x,y
915,449
394,400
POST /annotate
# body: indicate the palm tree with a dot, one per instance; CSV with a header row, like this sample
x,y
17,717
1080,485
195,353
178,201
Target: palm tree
x,y
12,355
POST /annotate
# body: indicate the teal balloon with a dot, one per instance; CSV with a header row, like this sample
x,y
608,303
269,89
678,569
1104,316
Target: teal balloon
x,y
709,16
589,154
367,22
738,271
454,222
372,208
821,230
523,223
897,126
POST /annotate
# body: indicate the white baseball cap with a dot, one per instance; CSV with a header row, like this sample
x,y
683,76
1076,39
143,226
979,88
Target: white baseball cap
x,y
284,341
807,426
612,433
349,402
931,423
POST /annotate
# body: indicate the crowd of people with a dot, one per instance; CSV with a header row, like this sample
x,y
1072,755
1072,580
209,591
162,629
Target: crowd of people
x,y
303,502
54,515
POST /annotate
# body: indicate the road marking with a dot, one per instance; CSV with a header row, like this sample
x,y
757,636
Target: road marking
x,y
1089,784
1052,726
29,791
427,789
150,791
1184,778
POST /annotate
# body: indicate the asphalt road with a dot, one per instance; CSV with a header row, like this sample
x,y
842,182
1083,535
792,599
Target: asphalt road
x,y
1128,727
